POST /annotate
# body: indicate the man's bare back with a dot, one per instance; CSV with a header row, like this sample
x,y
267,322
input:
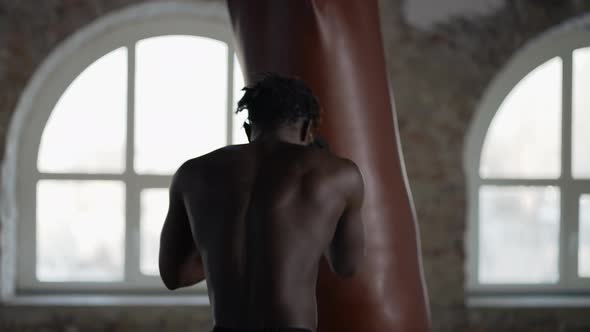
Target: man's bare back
x,y
261,216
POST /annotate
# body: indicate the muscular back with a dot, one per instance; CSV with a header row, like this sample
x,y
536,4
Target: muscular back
x,y
262,215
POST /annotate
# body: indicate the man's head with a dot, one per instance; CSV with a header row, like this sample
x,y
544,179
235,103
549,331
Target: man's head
x,y
276,103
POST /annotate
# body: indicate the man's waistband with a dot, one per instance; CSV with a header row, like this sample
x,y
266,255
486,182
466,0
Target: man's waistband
x,y
284,329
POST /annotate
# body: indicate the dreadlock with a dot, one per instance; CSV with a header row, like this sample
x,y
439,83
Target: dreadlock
x,y
276,100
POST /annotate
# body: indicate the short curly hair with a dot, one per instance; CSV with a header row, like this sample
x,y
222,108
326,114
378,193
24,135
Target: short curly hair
x,y
277,100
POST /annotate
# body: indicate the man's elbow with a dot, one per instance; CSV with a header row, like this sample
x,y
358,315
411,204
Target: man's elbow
x,y
171,286
170,281
184,278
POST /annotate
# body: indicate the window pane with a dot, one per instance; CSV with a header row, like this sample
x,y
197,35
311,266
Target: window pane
x,y
584,237
581,114
181,98
524,138
239,136
80,230
154,206
86,130
518,234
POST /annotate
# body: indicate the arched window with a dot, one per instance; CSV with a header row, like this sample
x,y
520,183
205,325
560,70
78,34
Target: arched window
x,y
119,107
528,165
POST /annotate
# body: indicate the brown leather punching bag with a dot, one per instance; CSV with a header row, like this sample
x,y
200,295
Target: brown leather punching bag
x,y
335,46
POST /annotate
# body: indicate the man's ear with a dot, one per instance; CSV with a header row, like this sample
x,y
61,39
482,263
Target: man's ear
x,y
248,130
305,130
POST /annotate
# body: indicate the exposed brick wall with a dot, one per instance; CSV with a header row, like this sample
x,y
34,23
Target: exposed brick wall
x,y
439,76
104,319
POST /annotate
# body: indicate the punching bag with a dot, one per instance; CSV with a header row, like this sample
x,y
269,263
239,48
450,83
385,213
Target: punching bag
x,y
335,46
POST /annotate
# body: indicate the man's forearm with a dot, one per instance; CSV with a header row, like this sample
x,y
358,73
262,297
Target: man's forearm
x,y
176,274
192,271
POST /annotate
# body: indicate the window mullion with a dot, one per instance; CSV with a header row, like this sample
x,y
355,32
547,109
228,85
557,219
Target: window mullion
x,y
132,204
517,182
79,176
230,93
132,216
129,165
568,230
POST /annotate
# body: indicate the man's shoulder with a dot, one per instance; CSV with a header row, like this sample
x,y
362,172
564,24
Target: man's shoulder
x,y
214,158
211,163
334,163
349,174
331,168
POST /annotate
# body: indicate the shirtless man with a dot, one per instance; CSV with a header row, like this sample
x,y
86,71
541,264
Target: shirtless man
x,y
256,219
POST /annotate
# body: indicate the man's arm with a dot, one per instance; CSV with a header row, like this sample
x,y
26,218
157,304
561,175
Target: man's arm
x,y
180,262
347,248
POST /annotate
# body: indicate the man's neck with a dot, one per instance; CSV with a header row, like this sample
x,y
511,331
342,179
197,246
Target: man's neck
x,y
284,135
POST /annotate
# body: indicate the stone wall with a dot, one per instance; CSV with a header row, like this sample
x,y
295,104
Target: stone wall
x,y
439,64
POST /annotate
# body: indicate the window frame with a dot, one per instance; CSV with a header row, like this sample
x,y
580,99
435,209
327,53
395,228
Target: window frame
x,y
560,42
20,173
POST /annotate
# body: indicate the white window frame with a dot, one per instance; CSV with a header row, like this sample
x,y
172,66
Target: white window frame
x,y
20,174
558,42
